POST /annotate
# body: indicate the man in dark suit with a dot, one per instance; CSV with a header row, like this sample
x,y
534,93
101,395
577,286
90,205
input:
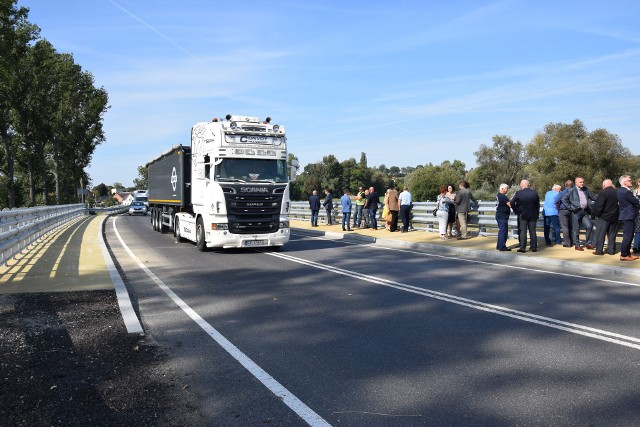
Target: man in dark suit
x,y
328,205
577,201
629,205
314,205
605,212
526,203
372,204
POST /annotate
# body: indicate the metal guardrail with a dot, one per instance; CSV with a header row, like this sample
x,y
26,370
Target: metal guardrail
x,y
20,227
481,217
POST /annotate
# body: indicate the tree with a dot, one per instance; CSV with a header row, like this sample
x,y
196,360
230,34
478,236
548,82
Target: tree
x,y
100,190
565,151
426,181
50,114
503,162
15,35
142,181
118,186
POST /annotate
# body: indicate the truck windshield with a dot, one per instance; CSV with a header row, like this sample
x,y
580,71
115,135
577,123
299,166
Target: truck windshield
x,y
257,170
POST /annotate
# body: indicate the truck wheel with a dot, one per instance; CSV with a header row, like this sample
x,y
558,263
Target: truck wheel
x,y
154,220
200,237
162,228
176,232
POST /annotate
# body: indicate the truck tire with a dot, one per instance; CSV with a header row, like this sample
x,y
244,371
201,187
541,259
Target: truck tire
x,y
201,243
176,231
154,220
162,228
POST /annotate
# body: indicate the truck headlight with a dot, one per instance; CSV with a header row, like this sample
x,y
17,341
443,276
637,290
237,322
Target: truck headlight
x,y
219,227
284,224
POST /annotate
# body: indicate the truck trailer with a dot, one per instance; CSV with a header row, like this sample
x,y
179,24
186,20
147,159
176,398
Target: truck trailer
x,y
228,189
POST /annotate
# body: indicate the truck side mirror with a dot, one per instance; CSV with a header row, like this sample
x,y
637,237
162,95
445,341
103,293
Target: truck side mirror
x,y
293,169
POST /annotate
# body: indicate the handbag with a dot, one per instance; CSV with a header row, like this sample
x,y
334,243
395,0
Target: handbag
x,y
435,211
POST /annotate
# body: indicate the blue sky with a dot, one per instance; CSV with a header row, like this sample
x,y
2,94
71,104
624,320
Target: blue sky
x,y
406,82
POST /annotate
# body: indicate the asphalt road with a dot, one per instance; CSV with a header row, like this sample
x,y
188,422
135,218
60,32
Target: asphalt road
x,y
327,332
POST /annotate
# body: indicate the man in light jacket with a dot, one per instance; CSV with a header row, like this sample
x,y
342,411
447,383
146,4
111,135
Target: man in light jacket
x,y
463,201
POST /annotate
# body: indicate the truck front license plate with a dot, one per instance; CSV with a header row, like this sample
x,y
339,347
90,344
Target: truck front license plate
x,y
255,243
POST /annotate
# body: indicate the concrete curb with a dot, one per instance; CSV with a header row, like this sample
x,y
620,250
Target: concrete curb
x,y
575,267
129,316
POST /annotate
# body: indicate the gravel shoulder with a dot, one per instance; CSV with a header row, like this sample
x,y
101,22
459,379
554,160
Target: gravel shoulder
x,y
66,359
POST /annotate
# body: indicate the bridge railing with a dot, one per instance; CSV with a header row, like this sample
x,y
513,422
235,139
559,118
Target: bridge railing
x,y
481,218
20,227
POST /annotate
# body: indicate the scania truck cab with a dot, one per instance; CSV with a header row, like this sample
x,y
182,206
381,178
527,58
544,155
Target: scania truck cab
x,y
228,189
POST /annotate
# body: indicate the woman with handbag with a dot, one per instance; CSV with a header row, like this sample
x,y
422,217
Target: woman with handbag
x,y
443,205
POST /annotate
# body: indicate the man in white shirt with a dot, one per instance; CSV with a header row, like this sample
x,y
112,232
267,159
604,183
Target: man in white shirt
x,y
405,200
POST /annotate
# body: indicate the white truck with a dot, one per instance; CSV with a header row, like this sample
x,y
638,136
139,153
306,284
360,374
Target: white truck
x,y
229,189
141,196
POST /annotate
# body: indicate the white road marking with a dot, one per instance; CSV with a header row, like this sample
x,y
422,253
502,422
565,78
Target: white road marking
x,y
474,261
306,413
598,334
129,316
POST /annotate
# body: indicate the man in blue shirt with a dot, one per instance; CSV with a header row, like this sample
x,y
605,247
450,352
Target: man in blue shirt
x,y
345,201
550,214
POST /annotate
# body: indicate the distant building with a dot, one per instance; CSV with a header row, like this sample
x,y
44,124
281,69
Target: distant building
x,y
122,198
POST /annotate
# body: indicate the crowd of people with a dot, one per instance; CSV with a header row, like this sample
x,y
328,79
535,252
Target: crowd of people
x,y
365,205
565,212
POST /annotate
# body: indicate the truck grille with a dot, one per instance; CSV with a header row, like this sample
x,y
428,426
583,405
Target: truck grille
x,y
253,213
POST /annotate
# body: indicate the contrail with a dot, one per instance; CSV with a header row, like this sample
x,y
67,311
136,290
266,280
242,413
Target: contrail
x,y
152,29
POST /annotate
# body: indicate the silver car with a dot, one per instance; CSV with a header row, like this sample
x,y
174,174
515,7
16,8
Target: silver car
x,y
137,208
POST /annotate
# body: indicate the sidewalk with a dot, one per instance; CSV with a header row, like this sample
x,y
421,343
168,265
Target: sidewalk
x,y
484,248
67,259
71,258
